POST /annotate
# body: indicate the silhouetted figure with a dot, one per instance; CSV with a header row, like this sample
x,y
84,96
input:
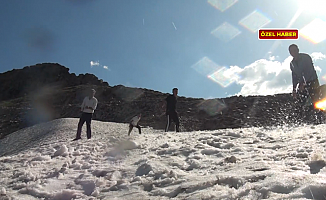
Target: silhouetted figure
x,y
304,77
171,112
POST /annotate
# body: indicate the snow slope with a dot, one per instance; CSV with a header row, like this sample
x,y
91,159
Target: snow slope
x,y
41,162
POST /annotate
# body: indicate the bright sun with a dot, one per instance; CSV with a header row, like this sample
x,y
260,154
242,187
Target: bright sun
x,y
313,6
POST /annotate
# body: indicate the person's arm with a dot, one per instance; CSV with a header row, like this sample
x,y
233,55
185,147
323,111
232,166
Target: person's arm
x,y
94,104
164,102
83,105
138,119
313,72
294,81
311,63
297,87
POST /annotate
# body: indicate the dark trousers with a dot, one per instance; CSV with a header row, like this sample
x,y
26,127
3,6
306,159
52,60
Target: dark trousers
x,y
172,116
131,126
85,117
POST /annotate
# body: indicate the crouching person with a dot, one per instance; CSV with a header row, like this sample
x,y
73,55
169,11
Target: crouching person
x,y
134,123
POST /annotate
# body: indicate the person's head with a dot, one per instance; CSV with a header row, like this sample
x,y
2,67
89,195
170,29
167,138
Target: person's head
x,y
175,91
294,51
92,92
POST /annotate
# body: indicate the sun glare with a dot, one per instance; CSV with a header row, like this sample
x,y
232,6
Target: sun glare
x,y
321,104
312,6
314,31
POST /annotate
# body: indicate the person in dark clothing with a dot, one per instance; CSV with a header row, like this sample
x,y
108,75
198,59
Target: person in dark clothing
x,y
171,113
134,123
305,82
304,77
88,106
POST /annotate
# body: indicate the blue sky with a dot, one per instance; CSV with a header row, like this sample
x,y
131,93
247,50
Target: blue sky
x,y
161,44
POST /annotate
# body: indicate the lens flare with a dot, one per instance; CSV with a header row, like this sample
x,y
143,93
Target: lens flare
x,y
128,94
321,104
226,32
205,66
212,106
314,31
222,77
254,21
222,5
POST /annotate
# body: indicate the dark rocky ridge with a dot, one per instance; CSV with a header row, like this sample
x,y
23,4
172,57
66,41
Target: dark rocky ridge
x,y
20,82
48,91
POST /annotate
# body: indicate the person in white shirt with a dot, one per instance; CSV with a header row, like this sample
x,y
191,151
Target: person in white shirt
x,y
88,106
134,123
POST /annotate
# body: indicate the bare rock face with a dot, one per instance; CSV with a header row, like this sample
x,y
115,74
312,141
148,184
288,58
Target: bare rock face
x,y
20,82
48,91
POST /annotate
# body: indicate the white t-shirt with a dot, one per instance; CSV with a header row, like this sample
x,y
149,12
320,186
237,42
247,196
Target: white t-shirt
x,y
134,121
90,103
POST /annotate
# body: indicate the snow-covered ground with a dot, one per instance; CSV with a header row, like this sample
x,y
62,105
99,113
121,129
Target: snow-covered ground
x,y
41,162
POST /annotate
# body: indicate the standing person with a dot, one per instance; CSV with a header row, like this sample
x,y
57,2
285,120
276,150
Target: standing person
x,y
304,76
134,123
88,106
171,113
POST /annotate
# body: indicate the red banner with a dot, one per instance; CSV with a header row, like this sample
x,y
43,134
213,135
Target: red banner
x,y
278,34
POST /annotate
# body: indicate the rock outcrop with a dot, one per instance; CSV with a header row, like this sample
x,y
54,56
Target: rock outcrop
x,y
20,82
